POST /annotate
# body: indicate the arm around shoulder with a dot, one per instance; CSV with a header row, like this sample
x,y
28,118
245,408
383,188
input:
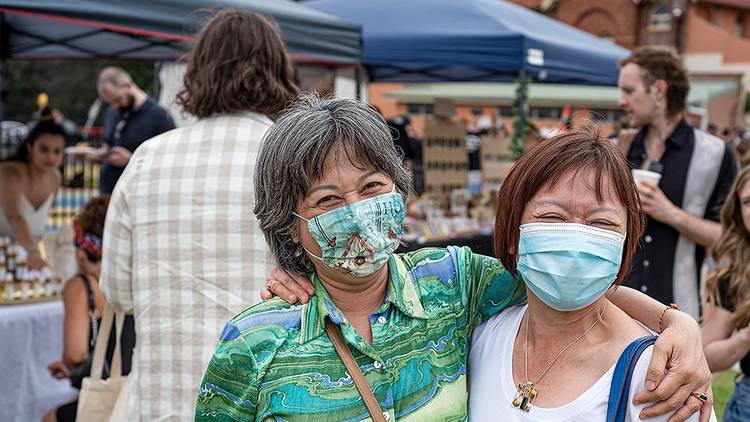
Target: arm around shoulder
x,y
489,287
637,385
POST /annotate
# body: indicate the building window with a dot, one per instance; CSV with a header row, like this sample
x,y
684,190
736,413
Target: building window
x,y
419,108
505,111
717,15
661,16
545,113
739,26
606,115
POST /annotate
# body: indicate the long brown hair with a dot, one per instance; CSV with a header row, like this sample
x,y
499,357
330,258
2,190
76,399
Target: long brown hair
x,y
732,255
238,63
576,150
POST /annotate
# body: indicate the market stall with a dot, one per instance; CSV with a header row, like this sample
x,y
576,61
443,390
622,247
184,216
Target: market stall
x,y
27,390
458,41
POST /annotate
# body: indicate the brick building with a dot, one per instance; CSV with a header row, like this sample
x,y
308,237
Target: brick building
x,y
712,35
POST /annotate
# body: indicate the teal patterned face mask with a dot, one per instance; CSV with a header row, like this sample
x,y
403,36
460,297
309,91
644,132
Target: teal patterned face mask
x,y
359,238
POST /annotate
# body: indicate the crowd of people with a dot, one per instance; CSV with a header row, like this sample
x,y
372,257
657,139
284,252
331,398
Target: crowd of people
x,y
588,309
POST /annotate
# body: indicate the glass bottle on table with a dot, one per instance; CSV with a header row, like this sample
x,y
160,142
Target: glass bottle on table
x,y
21,263
3,268
4,244
9,287
57,285
27,285
11,260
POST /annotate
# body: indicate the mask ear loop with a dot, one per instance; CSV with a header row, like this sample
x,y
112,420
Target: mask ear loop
x,y
320,228
299,216
312,254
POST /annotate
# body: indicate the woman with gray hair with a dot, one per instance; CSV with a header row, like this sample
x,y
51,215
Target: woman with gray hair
x,y
385,335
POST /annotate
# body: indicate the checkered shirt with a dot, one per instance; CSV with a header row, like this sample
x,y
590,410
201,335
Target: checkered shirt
x,y
183,252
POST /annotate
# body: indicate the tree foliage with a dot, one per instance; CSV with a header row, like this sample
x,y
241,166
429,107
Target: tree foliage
x,y
70,84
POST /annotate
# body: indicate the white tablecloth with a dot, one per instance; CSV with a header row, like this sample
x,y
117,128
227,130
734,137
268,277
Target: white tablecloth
x,y
30,338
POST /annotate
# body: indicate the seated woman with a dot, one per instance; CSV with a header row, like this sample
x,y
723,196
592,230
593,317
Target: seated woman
x,y
84,306
726,334
30,180
329,198
568,222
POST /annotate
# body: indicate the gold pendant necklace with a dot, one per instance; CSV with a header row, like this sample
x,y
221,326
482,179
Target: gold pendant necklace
x,y
528,391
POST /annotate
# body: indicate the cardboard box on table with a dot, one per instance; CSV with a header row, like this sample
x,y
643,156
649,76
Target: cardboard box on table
x,y
444,156
496,162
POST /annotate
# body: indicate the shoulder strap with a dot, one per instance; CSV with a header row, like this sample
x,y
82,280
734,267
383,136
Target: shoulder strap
x,y
92,309
373,408
110,316
89,293
619,392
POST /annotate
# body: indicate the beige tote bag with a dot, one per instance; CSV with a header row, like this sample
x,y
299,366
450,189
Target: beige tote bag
x,y
105,400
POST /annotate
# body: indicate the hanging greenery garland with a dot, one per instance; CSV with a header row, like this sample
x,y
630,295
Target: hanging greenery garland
x,y
522,95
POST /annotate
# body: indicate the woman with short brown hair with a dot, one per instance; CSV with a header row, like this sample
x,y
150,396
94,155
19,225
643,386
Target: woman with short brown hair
x,y
568,223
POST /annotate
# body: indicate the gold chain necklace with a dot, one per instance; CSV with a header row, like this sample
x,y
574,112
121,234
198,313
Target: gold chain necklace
x,y
527,392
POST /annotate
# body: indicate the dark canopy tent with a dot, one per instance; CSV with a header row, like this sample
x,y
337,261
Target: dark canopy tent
x,y
473,40
159,30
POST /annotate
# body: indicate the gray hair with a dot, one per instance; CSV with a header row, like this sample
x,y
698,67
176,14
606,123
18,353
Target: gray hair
x,y
291,158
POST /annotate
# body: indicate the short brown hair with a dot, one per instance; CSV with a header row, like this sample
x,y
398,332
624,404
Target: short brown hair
x,y
659,62
576,150
91,217
238,63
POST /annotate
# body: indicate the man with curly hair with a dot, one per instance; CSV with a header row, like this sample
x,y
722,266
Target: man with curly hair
x,y
182,248
697,172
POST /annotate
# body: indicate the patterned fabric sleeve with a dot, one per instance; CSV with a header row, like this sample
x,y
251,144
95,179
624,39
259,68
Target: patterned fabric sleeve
x,y
489,288
229,390
117,258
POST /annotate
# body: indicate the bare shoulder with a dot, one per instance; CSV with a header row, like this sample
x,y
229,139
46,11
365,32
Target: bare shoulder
x,y
627,329
74,286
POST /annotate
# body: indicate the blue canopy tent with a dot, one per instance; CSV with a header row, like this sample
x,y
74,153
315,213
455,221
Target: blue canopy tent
x,y
473,40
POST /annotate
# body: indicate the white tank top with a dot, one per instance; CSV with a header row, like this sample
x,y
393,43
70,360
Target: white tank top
x,y
36,218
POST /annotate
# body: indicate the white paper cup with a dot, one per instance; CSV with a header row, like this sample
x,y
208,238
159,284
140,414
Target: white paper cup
x,y
641,175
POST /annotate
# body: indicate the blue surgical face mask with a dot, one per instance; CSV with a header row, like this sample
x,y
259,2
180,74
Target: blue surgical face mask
x,y
568,266
359,238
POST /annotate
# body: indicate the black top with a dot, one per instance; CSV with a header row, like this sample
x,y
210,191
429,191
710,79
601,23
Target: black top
x,y
653,264
726,302
129,130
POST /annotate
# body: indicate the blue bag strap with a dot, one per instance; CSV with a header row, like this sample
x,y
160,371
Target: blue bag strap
x,y
620,390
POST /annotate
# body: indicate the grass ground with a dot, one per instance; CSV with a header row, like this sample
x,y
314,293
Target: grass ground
x,y
723,386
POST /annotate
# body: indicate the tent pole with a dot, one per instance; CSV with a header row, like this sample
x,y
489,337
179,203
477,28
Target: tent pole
x,y
2,87
357,81
157,80
522,104
3,54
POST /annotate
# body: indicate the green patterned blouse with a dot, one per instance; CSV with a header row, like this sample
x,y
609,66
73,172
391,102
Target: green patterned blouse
x,y
274,361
